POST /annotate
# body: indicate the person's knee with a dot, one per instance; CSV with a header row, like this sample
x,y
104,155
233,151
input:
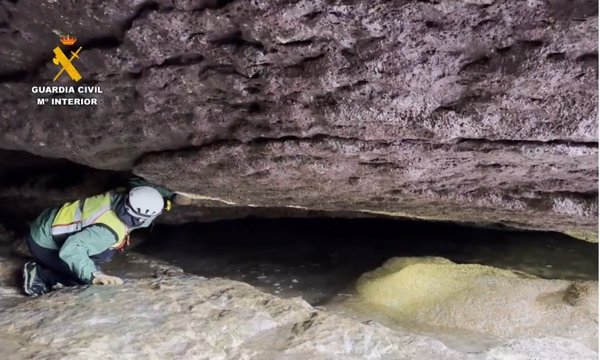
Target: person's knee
x,y
103,257
34,249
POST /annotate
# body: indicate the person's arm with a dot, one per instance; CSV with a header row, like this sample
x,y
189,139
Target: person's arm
x,y
170,196
78,248
136,181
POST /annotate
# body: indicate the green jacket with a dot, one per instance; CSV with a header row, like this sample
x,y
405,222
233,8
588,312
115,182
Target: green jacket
x,y
92,240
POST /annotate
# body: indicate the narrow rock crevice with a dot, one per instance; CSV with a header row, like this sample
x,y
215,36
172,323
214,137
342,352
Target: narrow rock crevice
x,y
297,43
103,42
266,140
143,10
174,61
14,76
319,137
199,6
517,142
235,38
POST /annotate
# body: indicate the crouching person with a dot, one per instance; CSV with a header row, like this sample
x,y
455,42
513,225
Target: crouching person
x,y
68,243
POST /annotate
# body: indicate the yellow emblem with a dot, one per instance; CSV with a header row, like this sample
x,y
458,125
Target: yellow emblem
x,y
61,59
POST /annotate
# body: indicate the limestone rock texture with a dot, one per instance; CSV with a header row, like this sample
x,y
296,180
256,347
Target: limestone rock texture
x,y
484,300
161,312
184,316
474,111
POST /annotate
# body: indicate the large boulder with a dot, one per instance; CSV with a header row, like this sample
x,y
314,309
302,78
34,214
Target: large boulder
x,y
481,111
483,300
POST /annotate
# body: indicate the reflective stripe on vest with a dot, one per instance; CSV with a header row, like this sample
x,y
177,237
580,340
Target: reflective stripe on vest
x,y
75,216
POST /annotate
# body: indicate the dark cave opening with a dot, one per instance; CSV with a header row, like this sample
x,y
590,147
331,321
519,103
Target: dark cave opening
x,y
289,252
31,183
321,258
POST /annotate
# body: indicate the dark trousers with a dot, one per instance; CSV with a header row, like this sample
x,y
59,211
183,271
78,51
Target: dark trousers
x,y
53,270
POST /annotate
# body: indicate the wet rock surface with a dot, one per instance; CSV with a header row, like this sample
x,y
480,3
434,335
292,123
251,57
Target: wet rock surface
x,y
480,111
161,312
469,307
196,318
193,317
321,259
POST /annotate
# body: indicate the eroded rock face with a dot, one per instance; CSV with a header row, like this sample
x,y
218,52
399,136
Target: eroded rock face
x,y
480,111
484,300
397,180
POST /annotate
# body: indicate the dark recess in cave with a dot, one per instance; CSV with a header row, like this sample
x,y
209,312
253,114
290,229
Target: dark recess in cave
x,y
30,183
329,254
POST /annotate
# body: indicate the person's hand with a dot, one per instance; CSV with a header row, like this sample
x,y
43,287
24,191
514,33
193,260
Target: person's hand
x,y
180,199
103,279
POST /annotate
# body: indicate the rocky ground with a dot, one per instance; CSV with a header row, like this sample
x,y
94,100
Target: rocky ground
x,y
161,312
191,317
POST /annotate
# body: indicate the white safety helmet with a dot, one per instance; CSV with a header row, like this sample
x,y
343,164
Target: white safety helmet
x,y
144,202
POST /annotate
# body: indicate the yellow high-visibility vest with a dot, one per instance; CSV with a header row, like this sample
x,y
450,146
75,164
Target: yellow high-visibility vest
x,y
77,215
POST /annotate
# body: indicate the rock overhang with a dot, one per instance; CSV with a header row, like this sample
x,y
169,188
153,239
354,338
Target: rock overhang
x,y
463,111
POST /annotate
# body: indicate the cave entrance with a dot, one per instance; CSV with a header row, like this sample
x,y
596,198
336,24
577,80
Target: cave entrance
x,y
320,259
